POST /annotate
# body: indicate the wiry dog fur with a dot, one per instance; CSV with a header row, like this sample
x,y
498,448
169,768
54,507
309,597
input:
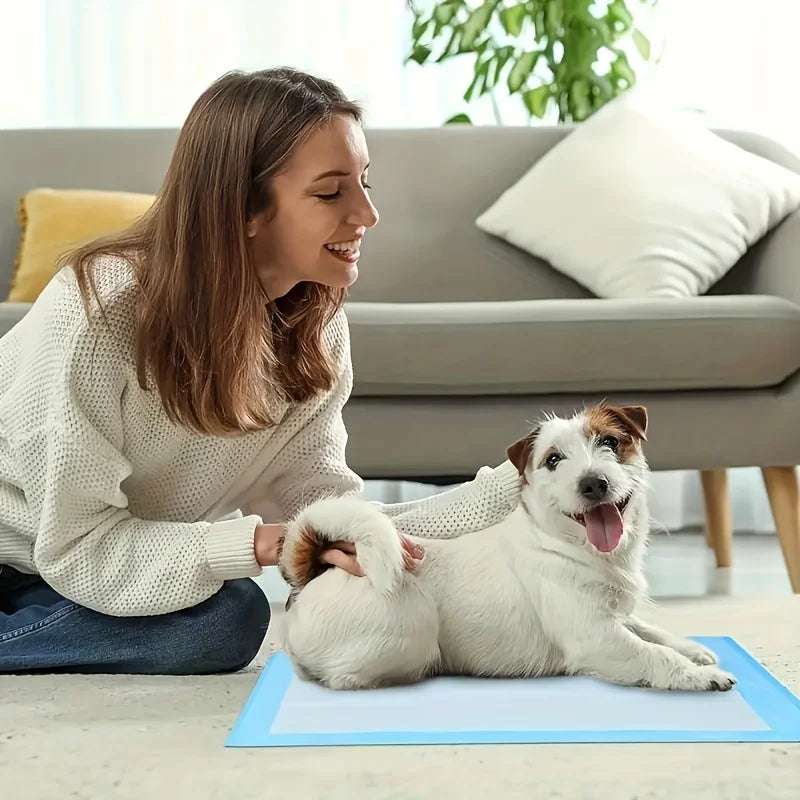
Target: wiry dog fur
x,y
529,596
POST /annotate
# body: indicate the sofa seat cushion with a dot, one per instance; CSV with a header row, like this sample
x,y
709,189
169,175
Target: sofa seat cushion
x,y
555,346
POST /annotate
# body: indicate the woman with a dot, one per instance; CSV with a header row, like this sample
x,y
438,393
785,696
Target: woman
x,y
191,367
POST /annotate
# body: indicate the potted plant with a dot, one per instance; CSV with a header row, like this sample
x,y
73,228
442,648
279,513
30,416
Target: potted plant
x,y
564,59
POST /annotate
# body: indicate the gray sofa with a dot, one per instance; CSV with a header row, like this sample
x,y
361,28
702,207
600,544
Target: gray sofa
x,y
458,338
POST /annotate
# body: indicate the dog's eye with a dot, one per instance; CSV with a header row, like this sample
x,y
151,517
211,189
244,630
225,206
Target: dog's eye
x,y
611,442
551,462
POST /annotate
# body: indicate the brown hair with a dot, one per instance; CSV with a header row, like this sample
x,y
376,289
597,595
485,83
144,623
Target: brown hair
x,y
214,345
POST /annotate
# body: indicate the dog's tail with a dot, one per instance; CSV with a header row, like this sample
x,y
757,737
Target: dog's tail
x,y
378,546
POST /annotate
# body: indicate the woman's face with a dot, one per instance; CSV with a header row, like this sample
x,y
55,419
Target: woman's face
x,y
321,210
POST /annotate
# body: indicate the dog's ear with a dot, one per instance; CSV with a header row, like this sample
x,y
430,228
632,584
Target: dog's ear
x,y
633,419
519,453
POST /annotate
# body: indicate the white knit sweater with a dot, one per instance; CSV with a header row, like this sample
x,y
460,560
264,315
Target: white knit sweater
x,y
126,513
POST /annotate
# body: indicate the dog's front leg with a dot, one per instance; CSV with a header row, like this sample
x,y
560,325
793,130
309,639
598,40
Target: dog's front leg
x,y
651,633
609,650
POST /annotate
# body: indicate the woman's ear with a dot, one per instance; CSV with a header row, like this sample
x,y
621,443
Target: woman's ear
x,y
256,224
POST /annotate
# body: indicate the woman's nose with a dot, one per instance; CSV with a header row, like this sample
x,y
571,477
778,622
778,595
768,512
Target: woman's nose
x,y
364,214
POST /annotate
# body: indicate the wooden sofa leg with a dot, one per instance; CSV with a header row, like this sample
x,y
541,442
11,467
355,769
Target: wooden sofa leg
x,y
784,500
719,525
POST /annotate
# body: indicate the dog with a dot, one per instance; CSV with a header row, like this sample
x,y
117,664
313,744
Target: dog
x,y
555,588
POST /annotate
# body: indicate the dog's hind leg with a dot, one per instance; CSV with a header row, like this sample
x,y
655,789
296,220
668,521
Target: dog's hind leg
x,y
346,682
346,635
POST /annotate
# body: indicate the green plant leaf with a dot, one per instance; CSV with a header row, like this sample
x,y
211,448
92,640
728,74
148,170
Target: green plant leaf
x,y
602,91
621,18
490,79
553,19
502,57
479,77
444,12
642,44
536,100
449,50
458,119
513,19
472,87
602,31
419,27
521,71
579,99
420,53
621,69
581,45
476,24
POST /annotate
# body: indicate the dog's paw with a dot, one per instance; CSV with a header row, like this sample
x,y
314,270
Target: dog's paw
x,y
707,679
717,680
697,653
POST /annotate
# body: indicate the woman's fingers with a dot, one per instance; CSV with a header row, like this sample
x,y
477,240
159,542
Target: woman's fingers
x,y
345,561
343,555
345,547
412,554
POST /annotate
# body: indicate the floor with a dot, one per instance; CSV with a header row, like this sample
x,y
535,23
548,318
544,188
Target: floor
x,y
680,565
130,738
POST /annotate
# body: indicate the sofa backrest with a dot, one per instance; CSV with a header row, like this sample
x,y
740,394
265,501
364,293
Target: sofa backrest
x,y
429,185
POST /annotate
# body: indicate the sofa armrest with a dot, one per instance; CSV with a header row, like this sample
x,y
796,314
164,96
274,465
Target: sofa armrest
x,y
775,266
11,314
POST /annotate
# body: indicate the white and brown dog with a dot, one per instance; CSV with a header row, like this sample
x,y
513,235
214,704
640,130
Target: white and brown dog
x,y
551,590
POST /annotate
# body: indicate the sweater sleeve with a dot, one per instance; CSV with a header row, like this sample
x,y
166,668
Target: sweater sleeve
x,y
311,465
472,506
89,546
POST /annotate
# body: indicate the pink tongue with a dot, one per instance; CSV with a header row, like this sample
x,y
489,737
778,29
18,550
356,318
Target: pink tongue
x,y
603,527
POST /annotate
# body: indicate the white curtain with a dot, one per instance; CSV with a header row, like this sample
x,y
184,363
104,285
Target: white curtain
x,y
735,62
141,63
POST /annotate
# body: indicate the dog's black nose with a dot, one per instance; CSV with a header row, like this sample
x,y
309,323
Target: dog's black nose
x,y
593,488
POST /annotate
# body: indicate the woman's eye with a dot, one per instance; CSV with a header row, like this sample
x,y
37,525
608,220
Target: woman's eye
x,y
552,461
610,442
336,194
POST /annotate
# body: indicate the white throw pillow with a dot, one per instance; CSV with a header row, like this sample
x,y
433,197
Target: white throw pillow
x,y
638,201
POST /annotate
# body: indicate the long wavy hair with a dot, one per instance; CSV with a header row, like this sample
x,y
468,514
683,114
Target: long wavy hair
x,y
213,344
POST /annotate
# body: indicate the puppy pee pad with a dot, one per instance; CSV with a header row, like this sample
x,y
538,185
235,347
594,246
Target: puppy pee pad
x,y
284,710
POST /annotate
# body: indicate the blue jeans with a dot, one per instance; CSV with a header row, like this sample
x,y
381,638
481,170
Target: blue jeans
x,y
41,631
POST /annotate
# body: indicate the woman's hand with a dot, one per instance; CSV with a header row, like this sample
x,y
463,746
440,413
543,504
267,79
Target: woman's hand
x,y
266,543
340,554
343,555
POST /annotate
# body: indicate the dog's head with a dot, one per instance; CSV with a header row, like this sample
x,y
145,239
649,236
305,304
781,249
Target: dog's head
x,y
586,476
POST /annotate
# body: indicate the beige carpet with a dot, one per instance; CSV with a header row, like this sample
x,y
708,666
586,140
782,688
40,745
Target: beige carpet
x,y
105,737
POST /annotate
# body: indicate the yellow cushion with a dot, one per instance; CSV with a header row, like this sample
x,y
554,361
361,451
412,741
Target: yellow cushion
x,y
54,221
